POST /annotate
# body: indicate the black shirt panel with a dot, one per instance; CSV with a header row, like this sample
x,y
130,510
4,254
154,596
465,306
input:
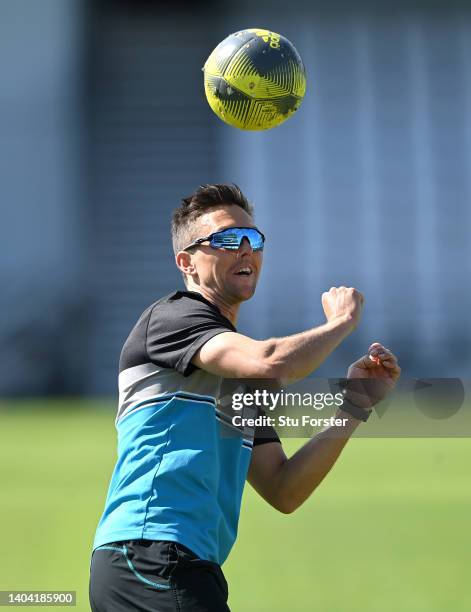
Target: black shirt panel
x,y
134,352
172,330
179,326
264,433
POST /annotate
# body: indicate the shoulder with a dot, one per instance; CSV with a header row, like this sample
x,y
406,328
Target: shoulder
x,y
171,330
184,308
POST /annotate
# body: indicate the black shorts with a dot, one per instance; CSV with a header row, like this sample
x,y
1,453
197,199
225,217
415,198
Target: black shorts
x,y
148,575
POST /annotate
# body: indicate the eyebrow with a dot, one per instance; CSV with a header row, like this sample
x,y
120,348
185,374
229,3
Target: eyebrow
x,y
221,229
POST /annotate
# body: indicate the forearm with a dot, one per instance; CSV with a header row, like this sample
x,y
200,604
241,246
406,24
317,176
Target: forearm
x,y
294,357
300,475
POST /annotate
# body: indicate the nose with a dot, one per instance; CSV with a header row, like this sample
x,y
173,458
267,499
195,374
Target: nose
x,y
245,246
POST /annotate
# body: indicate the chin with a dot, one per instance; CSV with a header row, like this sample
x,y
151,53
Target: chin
x,y
245,293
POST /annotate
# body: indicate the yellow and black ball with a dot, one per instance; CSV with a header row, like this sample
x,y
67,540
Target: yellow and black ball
x,y
254,79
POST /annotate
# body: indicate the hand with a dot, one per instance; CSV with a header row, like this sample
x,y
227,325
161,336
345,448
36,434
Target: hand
x,y
343,302
372,376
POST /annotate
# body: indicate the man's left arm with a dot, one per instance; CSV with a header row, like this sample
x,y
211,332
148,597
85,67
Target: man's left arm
x,y
287,483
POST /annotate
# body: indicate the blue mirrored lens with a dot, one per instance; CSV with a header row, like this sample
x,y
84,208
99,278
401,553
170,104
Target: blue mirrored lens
x,y
232,237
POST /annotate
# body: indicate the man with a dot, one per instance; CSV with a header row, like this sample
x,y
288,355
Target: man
x,y
173,503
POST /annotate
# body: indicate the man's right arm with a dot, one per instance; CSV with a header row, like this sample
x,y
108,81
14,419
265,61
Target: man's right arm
x,y
290,358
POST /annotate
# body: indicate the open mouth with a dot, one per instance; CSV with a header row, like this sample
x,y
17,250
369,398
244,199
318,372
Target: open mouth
x,y
245,271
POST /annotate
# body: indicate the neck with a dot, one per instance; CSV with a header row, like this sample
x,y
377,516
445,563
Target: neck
x,y
229,310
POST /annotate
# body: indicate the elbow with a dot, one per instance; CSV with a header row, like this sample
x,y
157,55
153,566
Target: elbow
x,y
286,508
285,505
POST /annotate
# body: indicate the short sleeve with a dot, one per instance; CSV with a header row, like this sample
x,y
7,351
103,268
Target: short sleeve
x,y
264,433
179,327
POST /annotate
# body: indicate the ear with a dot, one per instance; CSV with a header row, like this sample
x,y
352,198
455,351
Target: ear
x,y
184,261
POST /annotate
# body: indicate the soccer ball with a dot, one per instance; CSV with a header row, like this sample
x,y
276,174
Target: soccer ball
x,y
254,79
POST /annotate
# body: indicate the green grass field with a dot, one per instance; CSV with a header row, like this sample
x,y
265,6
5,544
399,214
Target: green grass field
x,y
387,531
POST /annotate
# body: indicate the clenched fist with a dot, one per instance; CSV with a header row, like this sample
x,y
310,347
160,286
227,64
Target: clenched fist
x,y
343,302
373,376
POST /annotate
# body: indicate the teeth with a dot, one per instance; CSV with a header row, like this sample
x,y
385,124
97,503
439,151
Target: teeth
x,y
247,270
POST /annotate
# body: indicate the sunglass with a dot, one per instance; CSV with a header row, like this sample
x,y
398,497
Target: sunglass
x,y
231,238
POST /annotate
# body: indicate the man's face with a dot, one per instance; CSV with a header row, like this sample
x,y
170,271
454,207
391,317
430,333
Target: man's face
x,y
218,271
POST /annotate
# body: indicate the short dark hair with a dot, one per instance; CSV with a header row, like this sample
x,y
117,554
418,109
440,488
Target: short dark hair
x,y
198,203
